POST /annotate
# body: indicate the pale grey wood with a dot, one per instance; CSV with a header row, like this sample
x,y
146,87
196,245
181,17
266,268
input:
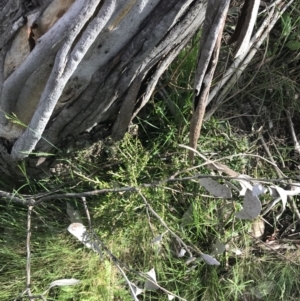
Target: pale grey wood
x,y
66,62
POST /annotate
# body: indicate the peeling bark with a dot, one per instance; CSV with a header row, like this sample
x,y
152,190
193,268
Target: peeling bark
x,y
79,68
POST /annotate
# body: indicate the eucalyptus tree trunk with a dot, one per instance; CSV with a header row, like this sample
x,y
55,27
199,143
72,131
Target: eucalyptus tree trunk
x,y
82,68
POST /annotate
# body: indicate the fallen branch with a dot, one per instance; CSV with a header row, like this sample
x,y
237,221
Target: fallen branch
x,y
28,280
35,200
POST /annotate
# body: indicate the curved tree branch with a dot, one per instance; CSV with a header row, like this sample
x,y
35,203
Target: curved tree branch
x,y
65,65
45,48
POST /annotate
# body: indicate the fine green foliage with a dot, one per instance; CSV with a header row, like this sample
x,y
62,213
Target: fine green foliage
x,y
127,228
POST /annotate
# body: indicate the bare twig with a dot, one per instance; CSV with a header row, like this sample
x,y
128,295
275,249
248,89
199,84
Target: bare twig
x,y
28,262
48,197
128,282
293,134
165,225
13,198
28,280
208,161
215,17
87,212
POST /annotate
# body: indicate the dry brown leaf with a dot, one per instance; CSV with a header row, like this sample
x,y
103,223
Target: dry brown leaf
x,y
258,228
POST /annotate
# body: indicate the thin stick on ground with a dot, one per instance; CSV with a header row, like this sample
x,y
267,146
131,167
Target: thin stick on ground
x,y
87,212
28,276
209,161
100,253
127,281
293,133
165,225
119,263
65,195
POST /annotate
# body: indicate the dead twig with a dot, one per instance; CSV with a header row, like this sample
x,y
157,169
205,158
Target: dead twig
x,y
208,57
28,276
293,133
87,212
165,225
160,183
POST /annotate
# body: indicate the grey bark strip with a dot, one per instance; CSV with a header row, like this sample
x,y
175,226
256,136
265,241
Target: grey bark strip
x,y
46,46
65,65
121,124
12,16
219,92
244,28
213,24
191,21
211,41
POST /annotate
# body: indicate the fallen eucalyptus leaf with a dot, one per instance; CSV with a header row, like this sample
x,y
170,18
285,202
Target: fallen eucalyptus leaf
x,y
218,248
151,285
258,227
136,290
79,231
181,252
64,282
209,259
215,188
251,206
258,189
157,239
